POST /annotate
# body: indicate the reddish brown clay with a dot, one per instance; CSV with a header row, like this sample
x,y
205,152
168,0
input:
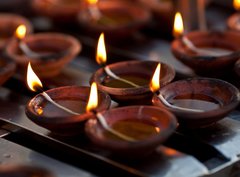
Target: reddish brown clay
x,y
8,26
45,43
222,92
233,22
209,65
139,95
65,125
155,116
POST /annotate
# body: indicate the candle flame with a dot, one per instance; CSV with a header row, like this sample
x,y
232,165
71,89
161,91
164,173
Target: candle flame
x,y
92,2
32,80
21,31
236,4
155,82
101,57
93,98
178,28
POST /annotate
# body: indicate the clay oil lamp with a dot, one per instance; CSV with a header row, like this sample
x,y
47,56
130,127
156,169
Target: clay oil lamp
x,y
24,171
206,52
233,21
8,25
197,102
61,110
127,82
48,52
58,10
115,18
132,131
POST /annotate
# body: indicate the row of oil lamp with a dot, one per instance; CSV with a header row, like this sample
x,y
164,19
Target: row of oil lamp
x,y
135,127
197,102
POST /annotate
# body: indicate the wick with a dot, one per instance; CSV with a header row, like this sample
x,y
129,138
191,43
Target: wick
x,y
94,12
165,102
194,48
47,97
30,53
103,122
111,74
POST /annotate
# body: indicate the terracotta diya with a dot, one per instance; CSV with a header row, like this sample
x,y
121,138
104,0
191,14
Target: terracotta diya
x,y
127,82
61,110
198,102
115,18
149,126
58,10
23,171
206,52
138,72
8,25
52,51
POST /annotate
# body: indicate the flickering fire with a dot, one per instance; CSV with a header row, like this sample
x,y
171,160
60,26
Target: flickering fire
x,y
178,28
101,56
21,31
236,4
155,82
92,2
93,98
33,81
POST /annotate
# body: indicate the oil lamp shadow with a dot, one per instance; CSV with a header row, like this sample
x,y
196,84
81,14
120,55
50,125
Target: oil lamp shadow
x,y
60,122
139,72
223,46
206,101
148,125
55,51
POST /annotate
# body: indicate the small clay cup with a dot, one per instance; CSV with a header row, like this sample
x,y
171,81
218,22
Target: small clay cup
x,y
53,43
58,10
225,94
152,115
8,26
64,124
139,16
7,69
233,22
209,65
24,171
139,95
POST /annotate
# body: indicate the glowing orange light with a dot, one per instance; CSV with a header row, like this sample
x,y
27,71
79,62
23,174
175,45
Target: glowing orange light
x,y
101,56
236,4
32,80
21,31
178,28
93,98
155,82
92,2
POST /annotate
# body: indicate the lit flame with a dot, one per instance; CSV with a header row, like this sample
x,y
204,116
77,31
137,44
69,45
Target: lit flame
x,y
155,82
101,57
21,31
178,28
32,80
92,2
236,4
93,98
